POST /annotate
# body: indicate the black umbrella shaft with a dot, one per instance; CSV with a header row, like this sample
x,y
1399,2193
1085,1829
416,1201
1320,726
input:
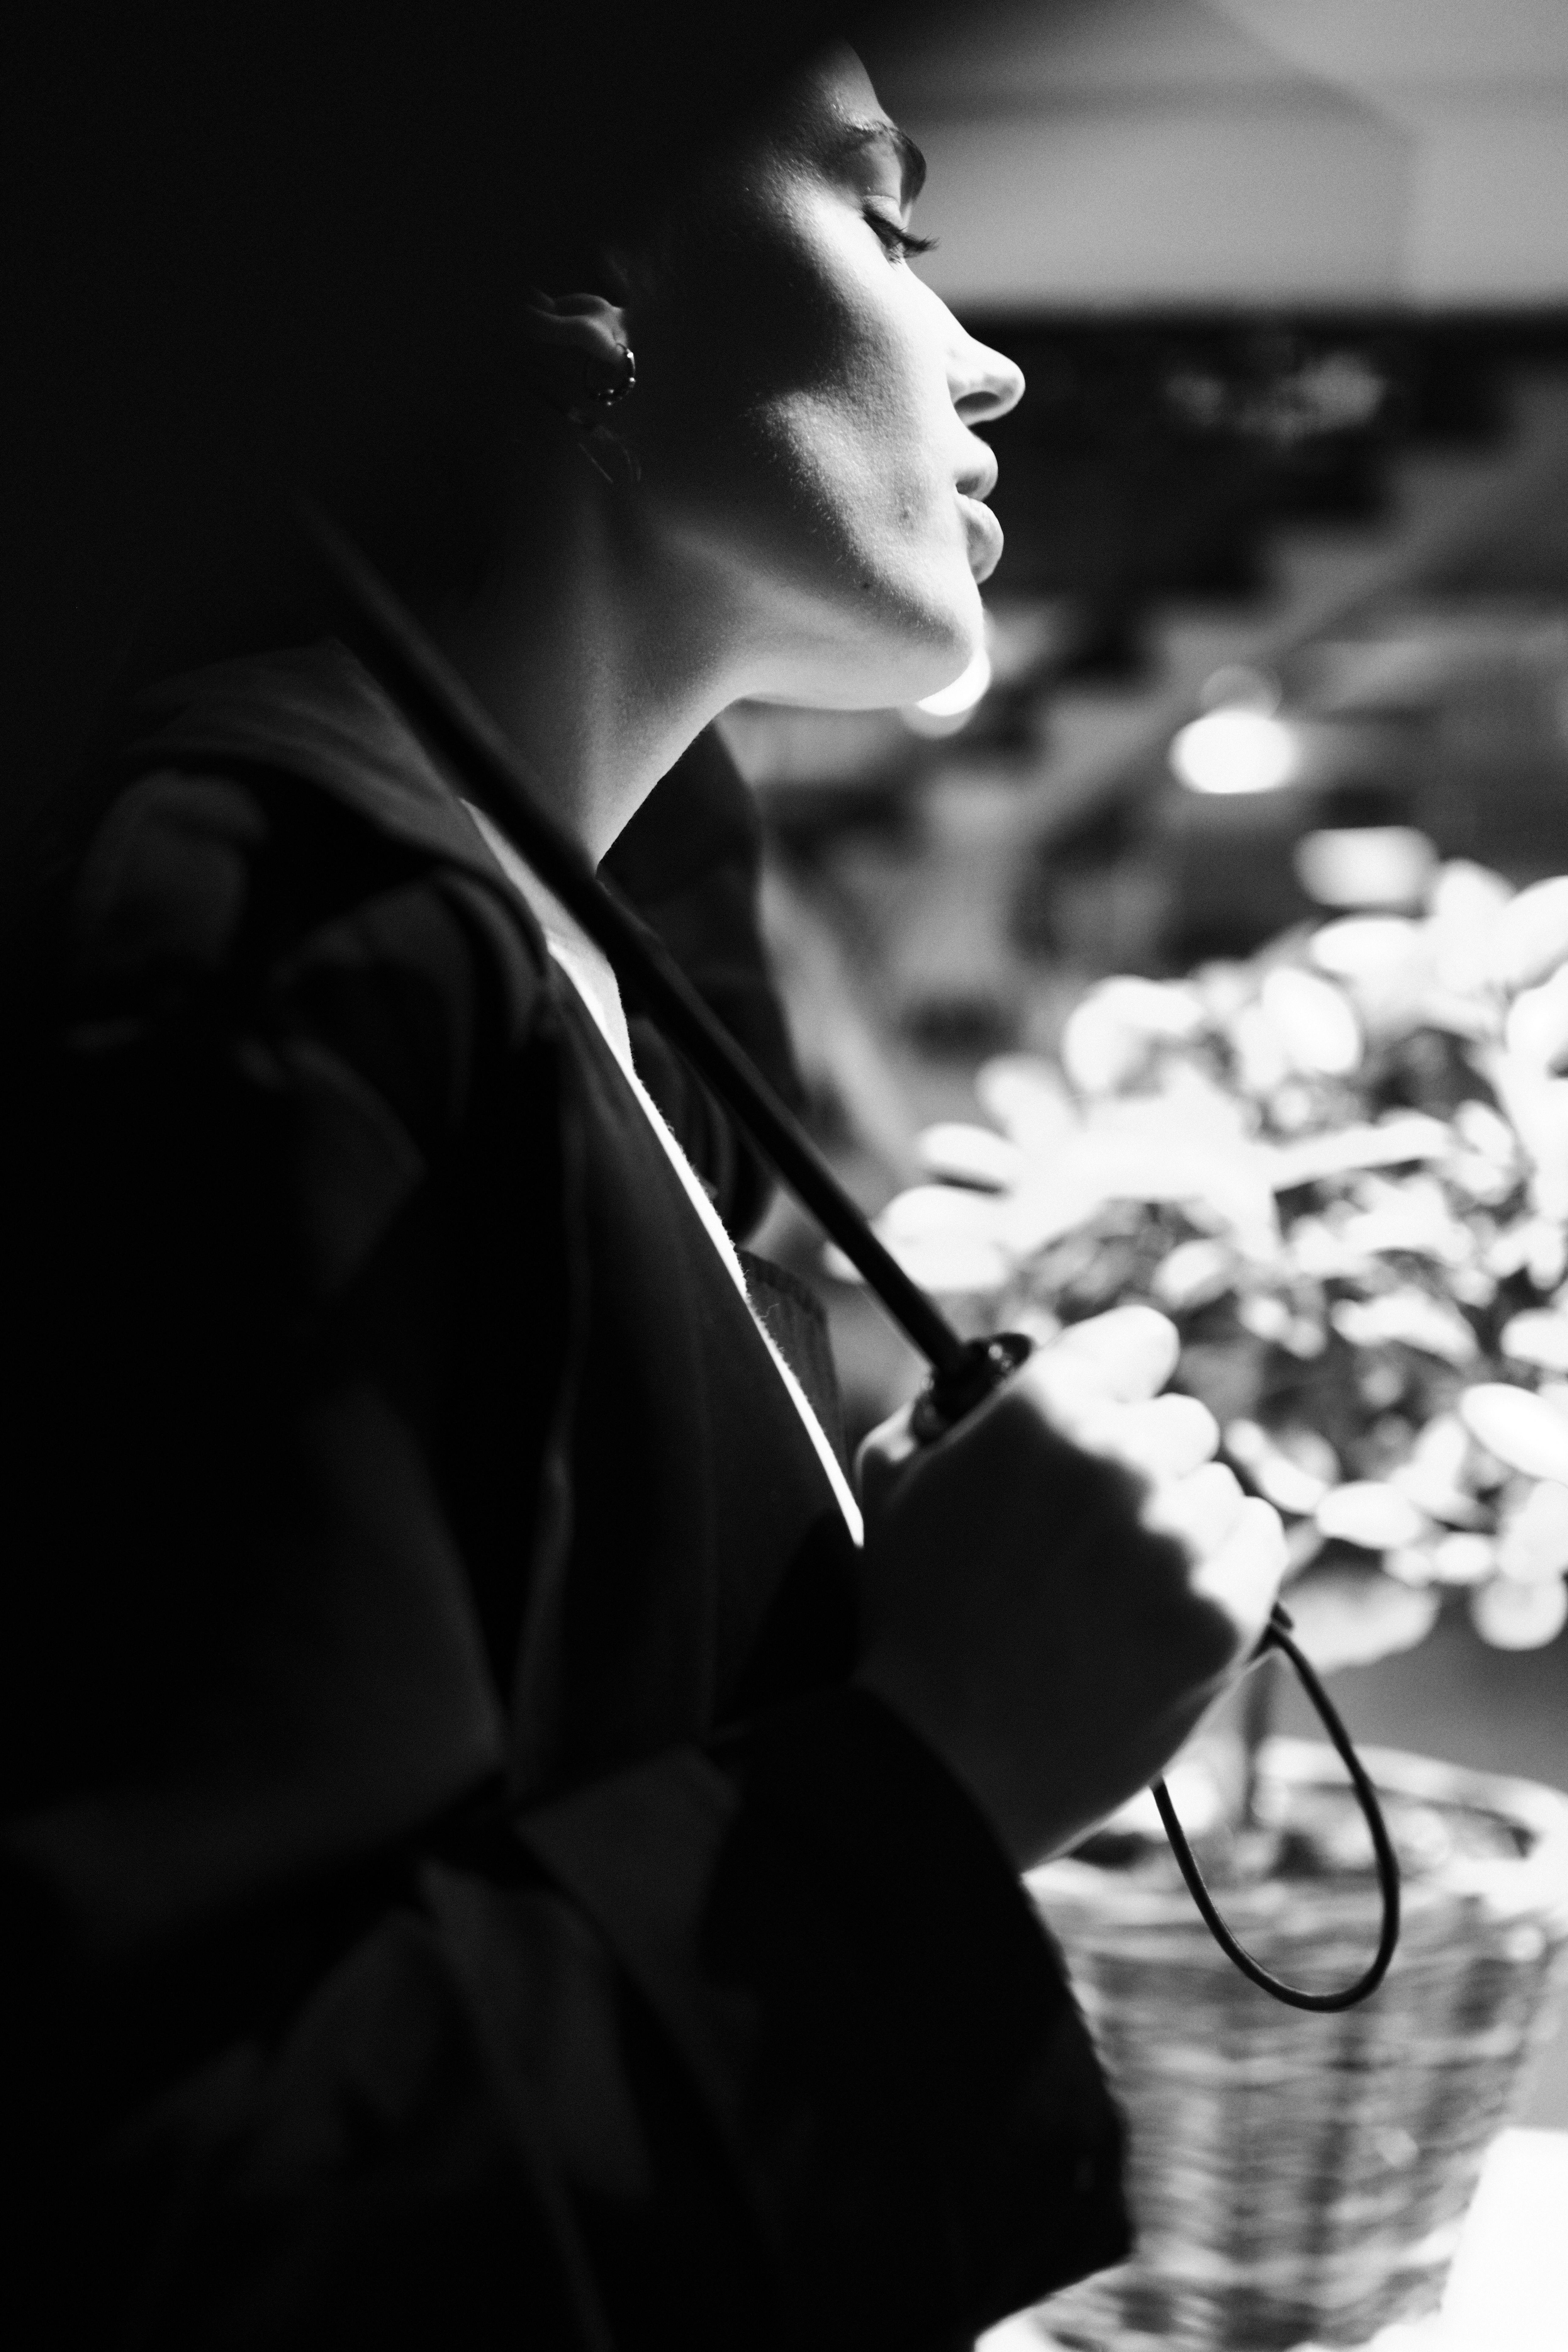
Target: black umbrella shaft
x,y
964,1373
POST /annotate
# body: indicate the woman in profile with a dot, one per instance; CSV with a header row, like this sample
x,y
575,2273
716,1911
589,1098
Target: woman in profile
x,y
491,1859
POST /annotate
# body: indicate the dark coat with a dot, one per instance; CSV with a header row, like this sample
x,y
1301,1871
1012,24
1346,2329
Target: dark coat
x,y
456,1897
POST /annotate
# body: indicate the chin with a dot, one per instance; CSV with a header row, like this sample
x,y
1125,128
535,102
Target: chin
x,y
928,642
946,672
938,662
906,639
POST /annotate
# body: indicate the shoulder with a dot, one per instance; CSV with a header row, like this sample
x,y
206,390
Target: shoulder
x,y
195,872
269,801
232,901
166,877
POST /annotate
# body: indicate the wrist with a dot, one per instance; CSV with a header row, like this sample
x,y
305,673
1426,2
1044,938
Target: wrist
x,y
1043,1794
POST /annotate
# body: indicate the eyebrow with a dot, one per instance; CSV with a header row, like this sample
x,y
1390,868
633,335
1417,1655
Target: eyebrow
x,y
911,162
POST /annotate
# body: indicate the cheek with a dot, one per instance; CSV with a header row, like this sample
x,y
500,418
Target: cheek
x,y
857,463
791,372
799,443
831,481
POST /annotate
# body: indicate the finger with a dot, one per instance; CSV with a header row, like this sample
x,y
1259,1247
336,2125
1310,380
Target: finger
x,y
1126,1355
1166,1439
1202,1509
1243,1575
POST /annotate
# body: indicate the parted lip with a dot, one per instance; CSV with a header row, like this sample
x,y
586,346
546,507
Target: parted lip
x,y
984,537
980,480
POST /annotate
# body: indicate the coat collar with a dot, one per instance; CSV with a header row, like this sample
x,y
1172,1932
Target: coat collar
x,y
315,712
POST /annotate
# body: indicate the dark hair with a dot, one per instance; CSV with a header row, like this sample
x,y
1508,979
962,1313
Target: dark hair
x,y
265,241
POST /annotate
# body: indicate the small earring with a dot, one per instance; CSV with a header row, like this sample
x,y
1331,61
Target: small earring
x,y
605,451
606,384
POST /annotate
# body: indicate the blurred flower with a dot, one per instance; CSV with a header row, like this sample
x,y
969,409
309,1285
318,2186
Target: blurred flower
x,y
1533,942
1315,1021
1518,1616
1347,1618
1341,1168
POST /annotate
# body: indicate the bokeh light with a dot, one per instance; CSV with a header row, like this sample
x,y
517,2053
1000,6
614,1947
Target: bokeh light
x,y
1234,751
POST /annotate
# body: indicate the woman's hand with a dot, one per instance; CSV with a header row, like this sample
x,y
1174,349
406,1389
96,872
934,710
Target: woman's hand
x,y
1057,1589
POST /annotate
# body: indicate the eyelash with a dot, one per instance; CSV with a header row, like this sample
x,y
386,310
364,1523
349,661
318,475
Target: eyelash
x,y
901,241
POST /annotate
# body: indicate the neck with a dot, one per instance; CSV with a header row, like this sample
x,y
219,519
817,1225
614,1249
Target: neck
x,y
597,653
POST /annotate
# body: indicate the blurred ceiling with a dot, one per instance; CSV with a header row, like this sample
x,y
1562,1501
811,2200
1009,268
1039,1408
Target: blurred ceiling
x,y
1117,154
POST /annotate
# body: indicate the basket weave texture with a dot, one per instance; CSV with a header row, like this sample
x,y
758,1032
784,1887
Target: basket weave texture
x,y
1298,2179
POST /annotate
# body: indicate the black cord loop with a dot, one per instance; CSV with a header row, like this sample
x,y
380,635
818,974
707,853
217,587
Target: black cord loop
x,y
1277,1637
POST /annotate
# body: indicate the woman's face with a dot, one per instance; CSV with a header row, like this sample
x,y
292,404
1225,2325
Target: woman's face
x,y
803,408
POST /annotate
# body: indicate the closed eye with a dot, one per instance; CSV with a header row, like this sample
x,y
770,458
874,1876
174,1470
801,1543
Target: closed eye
x,y
900,241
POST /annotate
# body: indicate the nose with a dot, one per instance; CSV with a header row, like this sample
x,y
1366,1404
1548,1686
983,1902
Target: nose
x,y
984,384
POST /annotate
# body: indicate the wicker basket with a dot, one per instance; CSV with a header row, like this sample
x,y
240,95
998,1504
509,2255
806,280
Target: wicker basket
x,y
1297,2178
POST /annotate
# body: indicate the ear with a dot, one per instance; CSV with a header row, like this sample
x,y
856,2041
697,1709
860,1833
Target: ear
x,y
576,346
